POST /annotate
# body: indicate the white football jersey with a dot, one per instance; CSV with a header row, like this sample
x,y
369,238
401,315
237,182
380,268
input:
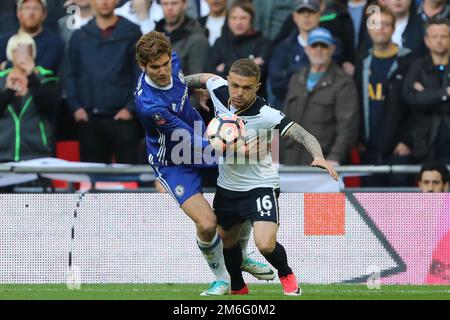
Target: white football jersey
x,y
260,121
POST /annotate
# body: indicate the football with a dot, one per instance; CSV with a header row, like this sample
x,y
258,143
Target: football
x,y
225,130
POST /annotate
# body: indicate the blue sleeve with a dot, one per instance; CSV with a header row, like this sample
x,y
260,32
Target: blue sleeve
x,y
165,121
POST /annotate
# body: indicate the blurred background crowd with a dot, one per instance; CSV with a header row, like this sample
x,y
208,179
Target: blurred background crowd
x,y
370,80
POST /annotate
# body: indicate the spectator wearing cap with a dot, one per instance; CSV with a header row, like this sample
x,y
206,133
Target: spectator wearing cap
x,y
335,17
50,48
427,91
323,99
100,76
29,97
385,137
290,56
434,177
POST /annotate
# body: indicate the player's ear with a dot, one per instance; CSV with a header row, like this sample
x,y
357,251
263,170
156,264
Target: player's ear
x,y
258,86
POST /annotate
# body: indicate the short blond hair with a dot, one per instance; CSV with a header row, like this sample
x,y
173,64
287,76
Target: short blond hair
x,y
20,38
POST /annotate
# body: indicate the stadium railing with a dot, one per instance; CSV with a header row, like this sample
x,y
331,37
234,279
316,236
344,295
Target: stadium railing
x,y
144,173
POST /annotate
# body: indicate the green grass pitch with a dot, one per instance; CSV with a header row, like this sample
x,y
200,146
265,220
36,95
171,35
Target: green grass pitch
x,y
192,291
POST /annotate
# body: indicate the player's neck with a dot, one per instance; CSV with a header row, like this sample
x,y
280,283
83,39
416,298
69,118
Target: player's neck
x,y
246,106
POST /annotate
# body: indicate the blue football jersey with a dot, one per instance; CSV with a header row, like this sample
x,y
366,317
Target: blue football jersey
x,y
163,110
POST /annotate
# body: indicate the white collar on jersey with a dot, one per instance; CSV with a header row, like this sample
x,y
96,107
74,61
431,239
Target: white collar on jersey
x,y
154,85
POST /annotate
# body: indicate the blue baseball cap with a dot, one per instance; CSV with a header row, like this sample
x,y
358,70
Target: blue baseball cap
x,y
321,35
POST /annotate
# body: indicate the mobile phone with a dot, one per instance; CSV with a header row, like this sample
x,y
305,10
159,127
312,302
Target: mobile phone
x,y
23,50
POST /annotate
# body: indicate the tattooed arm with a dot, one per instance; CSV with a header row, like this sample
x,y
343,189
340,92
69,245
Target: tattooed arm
x,y
300,135
198,81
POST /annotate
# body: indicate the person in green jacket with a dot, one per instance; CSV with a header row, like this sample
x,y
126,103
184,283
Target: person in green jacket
x,y
29,97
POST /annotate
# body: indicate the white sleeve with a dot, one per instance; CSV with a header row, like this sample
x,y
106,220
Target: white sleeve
x,y
215,82
275,119
218,91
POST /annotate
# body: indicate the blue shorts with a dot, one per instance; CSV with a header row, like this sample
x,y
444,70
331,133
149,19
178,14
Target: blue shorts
x,y
182,182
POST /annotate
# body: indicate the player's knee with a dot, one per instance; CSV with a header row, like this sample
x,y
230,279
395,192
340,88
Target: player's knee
x,y
265,247
207,228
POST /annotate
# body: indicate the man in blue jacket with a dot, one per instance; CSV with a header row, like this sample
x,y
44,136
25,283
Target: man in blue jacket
x,y
100,78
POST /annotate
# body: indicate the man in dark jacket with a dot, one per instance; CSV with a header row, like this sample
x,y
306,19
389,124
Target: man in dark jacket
x,y
427,90
29,97
186,35
289,56
100,78
386,119
323,99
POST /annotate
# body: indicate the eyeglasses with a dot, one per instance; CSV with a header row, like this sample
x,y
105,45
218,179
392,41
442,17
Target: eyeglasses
x,y
31,8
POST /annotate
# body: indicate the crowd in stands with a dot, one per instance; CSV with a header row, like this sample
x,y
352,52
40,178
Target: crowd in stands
x,y
370,79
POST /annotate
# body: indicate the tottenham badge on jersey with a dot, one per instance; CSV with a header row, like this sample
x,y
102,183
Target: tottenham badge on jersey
x,y
159,120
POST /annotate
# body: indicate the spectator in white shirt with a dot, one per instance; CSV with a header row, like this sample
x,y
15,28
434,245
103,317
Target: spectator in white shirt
x,y
144,13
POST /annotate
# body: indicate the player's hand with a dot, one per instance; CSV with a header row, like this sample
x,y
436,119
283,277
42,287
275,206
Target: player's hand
x,y
123,115
81,115
322,163
202,95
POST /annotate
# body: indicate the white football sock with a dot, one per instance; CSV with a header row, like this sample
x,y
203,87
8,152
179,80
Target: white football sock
x,y
244,237
213,253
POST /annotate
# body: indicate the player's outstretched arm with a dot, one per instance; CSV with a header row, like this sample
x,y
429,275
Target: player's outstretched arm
x,y
300,135
198,81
